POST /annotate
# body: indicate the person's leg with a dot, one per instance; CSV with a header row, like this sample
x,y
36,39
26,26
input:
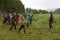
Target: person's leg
x,y
17,22
50,27
20,28
27,25
8,21
11,27
4,21
50,24
24,28
14,26
30,21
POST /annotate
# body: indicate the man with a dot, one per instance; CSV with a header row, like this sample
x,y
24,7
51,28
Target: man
x,y
13,20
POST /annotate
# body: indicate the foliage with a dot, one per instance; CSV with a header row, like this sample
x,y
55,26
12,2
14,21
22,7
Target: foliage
x,y
35,11
57,11
11,6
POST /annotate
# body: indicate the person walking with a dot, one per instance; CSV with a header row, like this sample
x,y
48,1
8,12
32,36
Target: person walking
x,y
23,22
51,20
30,18
8,19
13,24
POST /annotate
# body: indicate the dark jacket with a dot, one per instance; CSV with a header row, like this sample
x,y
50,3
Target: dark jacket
x,y
13,19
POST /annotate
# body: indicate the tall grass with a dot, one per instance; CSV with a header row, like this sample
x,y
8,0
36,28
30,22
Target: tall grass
x,y
39,30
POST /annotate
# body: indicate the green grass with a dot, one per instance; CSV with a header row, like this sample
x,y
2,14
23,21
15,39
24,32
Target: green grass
x,y
39,30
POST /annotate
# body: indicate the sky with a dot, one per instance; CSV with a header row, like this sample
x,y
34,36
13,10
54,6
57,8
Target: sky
x,y
41,4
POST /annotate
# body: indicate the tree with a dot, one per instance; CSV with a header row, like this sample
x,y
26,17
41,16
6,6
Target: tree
x,y
44,11
40,11
12,6
57,11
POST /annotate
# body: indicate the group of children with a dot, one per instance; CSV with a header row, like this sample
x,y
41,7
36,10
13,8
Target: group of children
x,y
15,19
7,18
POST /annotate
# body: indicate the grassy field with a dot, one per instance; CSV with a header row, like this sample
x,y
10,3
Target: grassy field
x,y
39,30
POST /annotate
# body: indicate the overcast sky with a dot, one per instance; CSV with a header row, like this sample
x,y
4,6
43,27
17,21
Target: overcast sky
x,y
41,4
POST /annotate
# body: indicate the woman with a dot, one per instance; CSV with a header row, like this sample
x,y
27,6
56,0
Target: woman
x,y
51,20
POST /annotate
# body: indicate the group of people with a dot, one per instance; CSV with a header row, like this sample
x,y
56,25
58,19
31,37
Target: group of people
x,y
7,18
15,19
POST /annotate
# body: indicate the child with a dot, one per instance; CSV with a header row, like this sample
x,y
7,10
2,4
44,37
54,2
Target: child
x,y
23,21
28,23
30,17
51,20
4,18
8,19
13,20
17,19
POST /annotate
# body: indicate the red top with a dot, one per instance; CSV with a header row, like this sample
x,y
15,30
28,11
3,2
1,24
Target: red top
x,y
17,17
51,17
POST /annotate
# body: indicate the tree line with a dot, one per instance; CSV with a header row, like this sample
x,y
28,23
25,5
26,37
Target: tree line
x,y
12,6
35,11
17,6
